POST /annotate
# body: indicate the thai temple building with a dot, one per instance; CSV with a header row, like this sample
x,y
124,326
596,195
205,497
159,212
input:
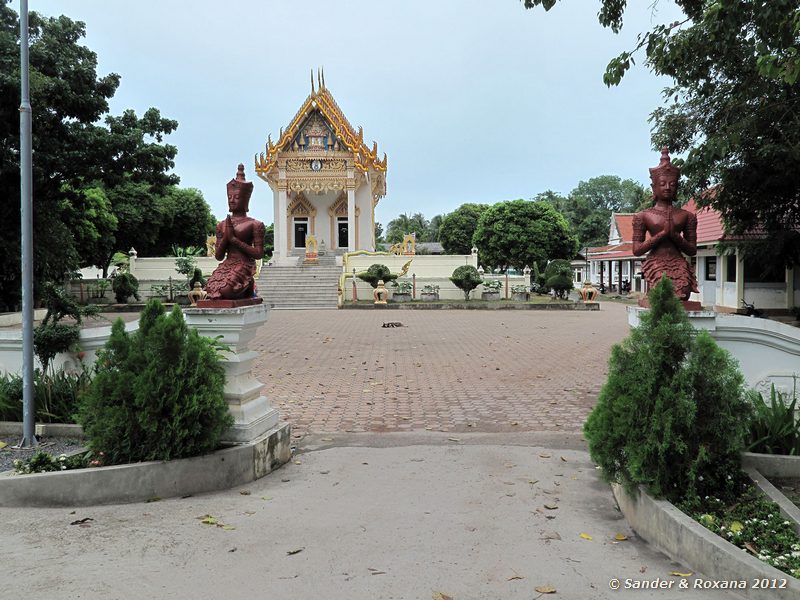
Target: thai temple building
x,y
325,180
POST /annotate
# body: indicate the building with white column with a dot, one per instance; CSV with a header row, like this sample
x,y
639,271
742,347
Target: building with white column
x,y
325,180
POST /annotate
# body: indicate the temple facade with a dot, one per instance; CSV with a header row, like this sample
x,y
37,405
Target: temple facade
x,y
325,180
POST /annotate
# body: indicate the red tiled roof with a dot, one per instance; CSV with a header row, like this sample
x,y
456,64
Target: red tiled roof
x,y
615,252
624,223
709,223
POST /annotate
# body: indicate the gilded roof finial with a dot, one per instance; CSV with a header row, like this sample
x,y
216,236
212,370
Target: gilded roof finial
x,y
319,79
312,82
323,76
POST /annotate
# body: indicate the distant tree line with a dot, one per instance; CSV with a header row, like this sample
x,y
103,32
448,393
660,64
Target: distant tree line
x,y
523,232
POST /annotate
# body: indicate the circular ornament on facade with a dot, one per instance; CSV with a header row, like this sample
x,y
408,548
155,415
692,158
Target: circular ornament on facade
x,y
316,165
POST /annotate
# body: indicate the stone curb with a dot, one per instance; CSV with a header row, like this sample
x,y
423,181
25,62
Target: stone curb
x,y
787,508
144,481
63,430
477,305
681,538
772,465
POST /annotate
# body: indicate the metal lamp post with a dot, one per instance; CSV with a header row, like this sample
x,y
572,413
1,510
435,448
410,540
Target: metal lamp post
x,y
26,211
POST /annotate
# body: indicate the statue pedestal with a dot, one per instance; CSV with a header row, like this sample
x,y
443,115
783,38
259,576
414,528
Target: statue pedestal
x,y
252,413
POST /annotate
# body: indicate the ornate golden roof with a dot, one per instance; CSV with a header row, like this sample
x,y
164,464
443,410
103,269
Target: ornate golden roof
x,y
322,100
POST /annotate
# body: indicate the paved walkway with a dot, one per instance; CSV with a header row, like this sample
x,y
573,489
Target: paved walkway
x,y
455,371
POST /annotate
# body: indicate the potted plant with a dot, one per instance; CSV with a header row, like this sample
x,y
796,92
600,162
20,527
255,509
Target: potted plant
x,y
402,291
430,293
519,292
491,289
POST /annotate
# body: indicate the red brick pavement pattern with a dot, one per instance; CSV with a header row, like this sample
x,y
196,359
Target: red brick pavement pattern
x,y
476,371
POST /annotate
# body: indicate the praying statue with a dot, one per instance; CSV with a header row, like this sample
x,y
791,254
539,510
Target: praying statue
x,y
673,233
240,241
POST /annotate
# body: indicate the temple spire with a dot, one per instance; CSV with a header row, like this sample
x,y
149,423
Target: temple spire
x,y
312,82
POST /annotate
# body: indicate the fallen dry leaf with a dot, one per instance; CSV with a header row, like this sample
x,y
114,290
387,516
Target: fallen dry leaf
x,y
82,521
550,535
563,459
441,596
293,552
515,577
545,589
620,537
679,574
586,536
244,492
454,439
326,439
3,445
545,455
208,520
551,506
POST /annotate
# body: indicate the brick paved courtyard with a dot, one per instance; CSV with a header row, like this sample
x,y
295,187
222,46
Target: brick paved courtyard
x,y
475,371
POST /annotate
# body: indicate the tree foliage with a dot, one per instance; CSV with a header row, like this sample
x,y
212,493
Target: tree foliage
x,y
427,231
520,232
459,226
589,206
673,413
92,181
733,108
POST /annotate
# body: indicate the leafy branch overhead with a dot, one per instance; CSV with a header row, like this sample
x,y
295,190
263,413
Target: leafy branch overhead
x,y
733,108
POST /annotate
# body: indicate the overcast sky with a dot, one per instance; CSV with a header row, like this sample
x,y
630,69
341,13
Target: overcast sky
x,y
472,100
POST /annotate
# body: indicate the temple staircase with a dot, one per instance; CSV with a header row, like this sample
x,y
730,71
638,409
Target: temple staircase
x,y
301,286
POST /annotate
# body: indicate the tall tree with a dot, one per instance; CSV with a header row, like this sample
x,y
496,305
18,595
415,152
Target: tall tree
x,y
74,155
459,226
405,224
520,232
734,107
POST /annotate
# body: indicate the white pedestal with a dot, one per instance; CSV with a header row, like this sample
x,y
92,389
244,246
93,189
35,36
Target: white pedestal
x,y
252,413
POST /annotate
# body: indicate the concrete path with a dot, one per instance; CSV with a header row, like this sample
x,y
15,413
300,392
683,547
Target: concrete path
x,y
442,457
358,517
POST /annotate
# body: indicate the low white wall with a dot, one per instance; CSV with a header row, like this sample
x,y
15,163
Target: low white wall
x,y
429,269
768,352
91,340
163,267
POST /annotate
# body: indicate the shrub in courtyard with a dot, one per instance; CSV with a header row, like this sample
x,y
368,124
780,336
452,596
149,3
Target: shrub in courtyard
x,y
673,414
51,336
466,278
157,393
558,277
124,286
375,273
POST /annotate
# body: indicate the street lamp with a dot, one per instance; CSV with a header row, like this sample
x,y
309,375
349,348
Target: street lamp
x,y
26,218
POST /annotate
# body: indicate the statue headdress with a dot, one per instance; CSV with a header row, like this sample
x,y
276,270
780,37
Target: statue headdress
x,y
665,167
238,183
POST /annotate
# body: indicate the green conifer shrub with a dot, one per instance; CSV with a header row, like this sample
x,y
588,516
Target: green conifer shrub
x,y
673,414
466,278
124,286
157,393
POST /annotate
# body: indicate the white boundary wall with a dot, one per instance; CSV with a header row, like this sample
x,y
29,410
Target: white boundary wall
x,y
430,269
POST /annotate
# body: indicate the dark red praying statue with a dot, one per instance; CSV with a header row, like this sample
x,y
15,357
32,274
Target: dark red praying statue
x,y
673,233
240,240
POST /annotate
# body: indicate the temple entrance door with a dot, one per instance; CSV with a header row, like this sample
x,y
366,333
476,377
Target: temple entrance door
x,y
300,231
342,235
